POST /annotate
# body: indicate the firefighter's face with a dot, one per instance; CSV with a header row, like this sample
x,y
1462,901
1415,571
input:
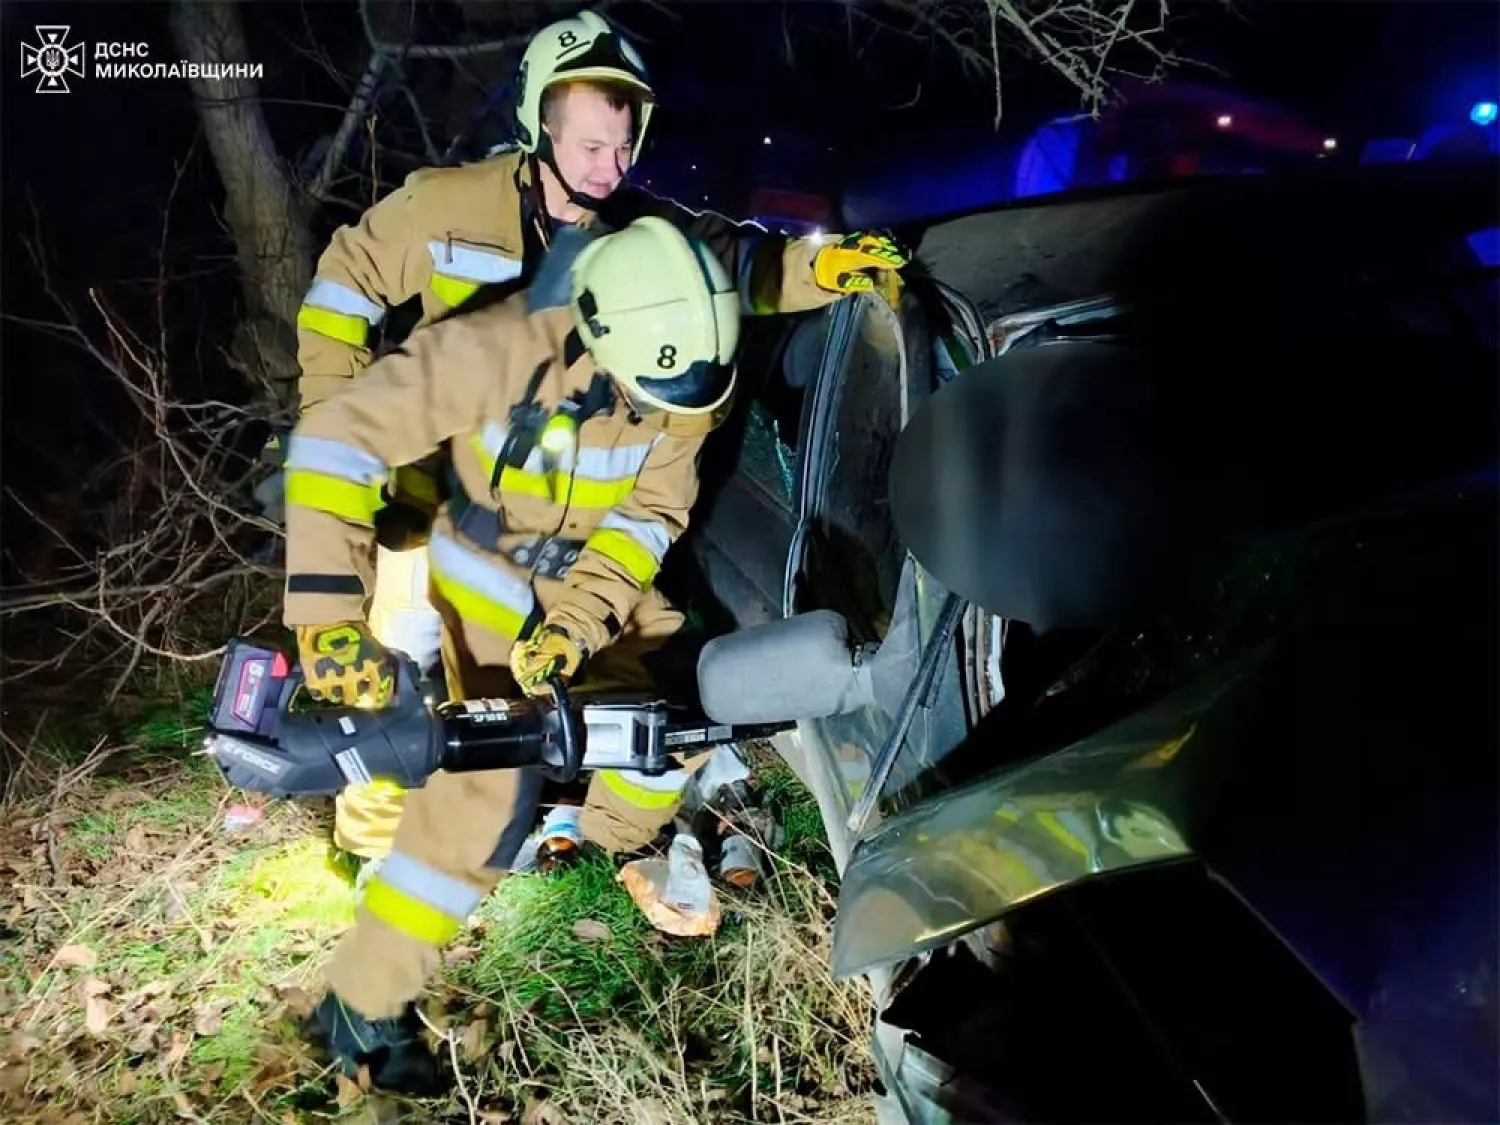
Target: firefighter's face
x,y
592,141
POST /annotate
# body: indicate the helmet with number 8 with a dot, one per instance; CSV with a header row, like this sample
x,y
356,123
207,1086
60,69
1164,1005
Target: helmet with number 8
x,y
581,48
658,312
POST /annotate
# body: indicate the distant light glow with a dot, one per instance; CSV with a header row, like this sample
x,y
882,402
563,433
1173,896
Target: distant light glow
x,y
1225,121
765,140
1484,113
1330,143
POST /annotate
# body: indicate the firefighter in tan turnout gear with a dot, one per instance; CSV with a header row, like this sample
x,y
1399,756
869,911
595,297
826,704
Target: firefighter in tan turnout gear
x,y
456,237
575,413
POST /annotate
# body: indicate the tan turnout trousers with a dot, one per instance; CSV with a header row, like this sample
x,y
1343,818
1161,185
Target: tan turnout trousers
x,y
459,833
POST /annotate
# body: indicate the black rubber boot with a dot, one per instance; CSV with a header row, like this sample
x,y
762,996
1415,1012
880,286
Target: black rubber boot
x,y
393,1050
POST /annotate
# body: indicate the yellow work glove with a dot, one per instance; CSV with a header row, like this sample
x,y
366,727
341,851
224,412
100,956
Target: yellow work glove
x,y
345,664
550,651
861,263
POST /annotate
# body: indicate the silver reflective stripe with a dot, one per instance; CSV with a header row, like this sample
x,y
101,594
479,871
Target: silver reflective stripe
x,y
319,455
326,294
622,463
477,573
648,533
471,264
453,897
493,436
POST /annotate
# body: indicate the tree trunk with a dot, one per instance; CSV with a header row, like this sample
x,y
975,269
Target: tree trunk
x,y
267,217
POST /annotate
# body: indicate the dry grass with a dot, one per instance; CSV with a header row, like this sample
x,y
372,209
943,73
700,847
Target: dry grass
x,y
155,968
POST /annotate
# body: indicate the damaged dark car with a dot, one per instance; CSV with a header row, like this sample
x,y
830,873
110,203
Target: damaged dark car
x,y
1134,586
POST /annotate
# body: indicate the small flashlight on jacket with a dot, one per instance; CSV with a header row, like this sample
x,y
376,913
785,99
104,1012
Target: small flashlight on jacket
x,y
559,442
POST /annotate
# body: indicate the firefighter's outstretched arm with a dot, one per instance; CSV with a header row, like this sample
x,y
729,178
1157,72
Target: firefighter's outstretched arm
x,y
777,274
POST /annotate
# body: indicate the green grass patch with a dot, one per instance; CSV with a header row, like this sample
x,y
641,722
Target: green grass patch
x,y
158,974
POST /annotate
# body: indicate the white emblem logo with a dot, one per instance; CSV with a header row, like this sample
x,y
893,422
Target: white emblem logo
x,y
53,60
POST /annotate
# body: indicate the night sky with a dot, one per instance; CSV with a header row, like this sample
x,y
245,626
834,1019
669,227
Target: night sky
x,y
99,163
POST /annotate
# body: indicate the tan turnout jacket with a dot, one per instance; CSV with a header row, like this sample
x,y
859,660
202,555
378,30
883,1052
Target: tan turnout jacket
x,y
514,543
449,233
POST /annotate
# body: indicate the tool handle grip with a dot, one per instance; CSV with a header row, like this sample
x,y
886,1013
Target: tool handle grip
x,y
569,734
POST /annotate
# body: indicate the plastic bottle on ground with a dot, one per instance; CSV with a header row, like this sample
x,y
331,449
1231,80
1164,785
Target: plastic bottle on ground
x,y
561,840
687,886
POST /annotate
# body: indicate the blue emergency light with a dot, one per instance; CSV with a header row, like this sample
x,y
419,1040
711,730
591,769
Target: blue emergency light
x,y
1484,113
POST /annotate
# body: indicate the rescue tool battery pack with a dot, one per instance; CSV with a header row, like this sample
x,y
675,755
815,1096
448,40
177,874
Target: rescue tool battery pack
x,y
269,736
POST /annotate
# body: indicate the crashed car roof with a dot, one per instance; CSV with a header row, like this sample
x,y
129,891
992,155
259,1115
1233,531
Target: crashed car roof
x,y
1124,240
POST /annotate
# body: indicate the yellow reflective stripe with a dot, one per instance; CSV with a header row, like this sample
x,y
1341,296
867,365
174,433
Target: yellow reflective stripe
x,y
480,587
520,482
641,798
411,916
620,547
418,484
451,291
356,503
346,328
473,606
600,493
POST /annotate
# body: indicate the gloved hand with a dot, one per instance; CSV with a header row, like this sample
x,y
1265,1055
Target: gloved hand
x,y
404,522
345,664
550,651
861,263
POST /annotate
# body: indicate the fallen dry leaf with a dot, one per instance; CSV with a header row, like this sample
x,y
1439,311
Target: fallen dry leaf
x,y
460,954
127,1083
299,1002
144,1040
76,957
349,1091
649,1111
13,1080
180,1045
22,1044
136,839
210,1020
543,1113
96,1015
362,1076
472,1042
494,1117
213,1074
95,987
184,1106
590,929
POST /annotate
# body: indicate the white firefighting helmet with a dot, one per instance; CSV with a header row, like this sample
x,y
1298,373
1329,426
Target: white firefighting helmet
x,y
659,313
581,48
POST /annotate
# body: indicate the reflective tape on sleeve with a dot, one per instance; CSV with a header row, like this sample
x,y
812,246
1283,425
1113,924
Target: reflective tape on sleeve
x,y
334,297
334,459
346,328
637,545
354,503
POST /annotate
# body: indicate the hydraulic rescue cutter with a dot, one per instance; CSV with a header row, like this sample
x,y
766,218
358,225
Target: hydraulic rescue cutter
x,y
269,736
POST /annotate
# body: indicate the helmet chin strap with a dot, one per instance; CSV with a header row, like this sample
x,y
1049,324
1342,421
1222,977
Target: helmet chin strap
x,y
575,197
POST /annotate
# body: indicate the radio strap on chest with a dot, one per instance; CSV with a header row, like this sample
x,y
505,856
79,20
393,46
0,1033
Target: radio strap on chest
x,y
524,427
